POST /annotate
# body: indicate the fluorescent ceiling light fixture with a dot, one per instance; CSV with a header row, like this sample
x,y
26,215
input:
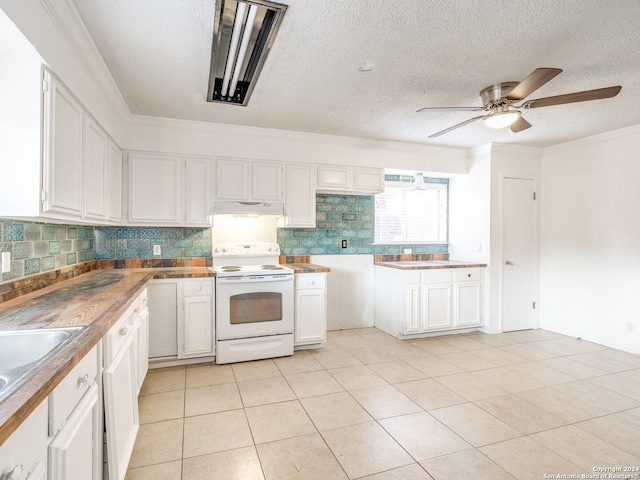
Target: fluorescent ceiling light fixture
x,y
501,118
243,34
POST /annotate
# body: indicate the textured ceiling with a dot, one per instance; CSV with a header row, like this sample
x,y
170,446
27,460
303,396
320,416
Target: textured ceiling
x,y
423,53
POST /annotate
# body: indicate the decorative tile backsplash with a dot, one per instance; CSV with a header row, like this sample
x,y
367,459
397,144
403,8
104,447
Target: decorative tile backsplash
x,y
124,243
38,247
341,218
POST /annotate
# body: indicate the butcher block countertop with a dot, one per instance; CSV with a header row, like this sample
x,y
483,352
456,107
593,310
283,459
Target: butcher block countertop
x,y
429,264
307,268
96,299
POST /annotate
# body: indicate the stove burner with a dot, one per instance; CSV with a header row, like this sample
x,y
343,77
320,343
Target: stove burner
x,y
271,267
231,268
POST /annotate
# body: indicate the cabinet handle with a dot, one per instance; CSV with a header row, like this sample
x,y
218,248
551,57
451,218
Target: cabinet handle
x,y
124,331
136,310
84,379
508,262
13,474
313,282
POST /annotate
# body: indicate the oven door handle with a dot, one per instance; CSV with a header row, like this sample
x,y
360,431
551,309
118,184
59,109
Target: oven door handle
x,y
257,279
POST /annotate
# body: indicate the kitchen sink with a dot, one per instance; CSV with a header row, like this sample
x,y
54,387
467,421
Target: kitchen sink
x,y
24,352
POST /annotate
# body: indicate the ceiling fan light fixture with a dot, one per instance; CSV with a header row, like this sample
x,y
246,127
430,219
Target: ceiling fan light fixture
x,y
501,118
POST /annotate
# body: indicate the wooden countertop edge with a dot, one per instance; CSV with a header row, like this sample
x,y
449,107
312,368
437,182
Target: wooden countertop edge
x,y
306,268
436,265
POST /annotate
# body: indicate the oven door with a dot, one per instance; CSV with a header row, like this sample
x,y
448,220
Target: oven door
x,y
254,306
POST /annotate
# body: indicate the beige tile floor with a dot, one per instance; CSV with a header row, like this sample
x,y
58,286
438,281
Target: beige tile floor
x,y
367,406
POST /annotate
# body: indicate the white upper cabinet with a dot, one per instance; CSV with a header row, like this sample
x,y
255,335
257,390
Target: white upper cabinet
x,y
198,191
169,190
335,178
370,180
96,147
155,189
246,180
299,196
353,180
62,152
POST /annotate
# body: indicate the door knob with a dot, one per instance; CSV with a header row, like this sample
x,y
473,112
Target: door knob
x,y
508,262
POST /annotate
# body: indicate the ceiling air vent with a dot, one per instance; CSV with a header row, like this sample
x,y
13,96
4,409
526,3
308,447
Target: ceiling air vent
x,y
243,33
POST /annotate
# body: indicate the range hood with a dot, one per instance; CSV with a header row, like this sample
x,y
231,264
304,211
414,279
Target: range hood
x,y
248,208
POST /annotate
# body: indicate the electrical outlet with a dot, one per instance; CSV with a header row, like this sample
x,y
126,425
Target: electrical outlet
x,y
407,250
6,262
344,244
631,327
157,250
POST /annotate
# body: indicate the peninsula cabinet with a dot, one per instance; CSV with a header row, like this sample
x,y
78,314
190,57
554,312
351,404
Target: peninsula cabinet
x,y
248,180
419,302
169,190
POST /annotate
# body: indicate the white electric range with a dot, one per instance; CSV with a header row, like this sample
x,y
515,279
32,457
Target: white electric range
x,y
254,302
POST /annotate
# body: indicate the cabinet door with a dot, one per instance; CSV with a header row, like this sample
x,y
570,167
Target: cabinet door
x,y
300,196
114,183
163,319
310,317
197,327
335,178
198,189
121,411
75,451
436,306
155,189
266,182
413,322
466,304
62,158
369,180
232,179
96,145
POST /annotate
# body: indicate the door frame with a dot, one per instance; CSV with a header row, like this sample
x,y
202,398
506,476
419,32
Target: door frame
x,y
536,246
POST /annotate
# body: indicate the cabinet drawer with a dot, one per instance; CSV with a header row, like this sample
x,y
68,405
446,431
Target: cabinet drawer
x,y
202,287
307,281
117,337
70,390
436,275
467,274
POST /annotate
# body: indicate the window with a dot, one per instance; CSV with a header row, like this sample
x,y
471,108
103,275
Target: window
x,y
412,209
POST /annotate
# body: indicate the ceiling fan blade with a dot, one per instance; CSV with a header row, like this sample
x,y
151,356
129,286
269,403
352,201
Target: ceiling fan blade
x,y
574,97
519,125
450,109
534,81
446,130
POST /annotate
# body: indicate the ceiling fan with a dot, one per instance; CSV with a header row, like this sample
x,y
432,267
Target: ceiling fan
x,y
499,101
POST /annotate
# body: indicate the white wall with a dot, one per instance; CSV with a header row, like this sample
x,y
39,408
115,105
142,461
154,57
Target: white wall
x,y
349,290
469,209
590,264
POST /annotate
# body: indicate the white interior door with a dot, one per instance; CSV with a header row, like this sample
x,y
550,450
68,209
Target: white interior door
x,y
518,260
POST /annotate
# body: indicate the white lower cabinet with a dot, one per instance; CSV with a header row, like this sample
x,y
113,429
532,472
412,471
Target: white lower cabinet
x,y
120,397
24,453
181,319
409,302
310,309
195,337
75,451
